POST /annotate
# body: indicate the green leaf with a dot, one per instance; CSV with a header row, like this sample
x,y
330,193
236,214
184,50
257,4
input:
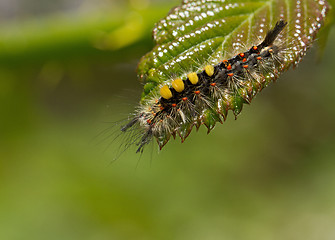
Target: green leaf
x,y
200,36
197,33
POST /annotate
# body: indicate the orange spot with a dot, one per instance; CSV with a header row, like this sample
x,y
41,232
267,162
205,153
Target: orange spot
x,y
255,48
156,101
174,105
149,121
213,84
184,99
241,55
161,108
229,67
245,66
225,62
244,60
259,58
270,50
197,92
230,74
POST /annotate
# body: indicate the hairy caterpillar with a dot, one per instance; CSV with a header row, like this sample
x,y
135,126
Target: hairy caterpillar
x,y
204,97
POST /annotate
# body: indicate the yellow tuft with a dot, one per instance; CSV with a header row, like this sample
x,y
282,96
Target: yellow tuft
x,y
193,77
178,85
165,92
209,69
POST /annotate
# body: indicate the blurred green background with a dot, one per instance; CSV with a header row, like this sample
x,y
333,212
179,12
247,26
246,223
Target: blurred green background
x,y
67,70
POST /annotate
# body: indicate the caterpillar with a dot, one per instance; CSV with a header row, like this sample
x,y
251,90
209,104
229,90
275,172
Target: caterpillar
x,y
186,99
204,97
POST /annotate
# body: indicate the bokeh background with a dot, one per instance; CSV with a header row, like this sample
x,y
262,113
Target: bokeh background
x,y
67,71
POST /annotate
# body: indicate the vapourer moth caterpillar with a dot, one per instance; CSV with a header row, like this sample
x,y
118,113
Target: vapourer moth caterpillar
x,y
214,56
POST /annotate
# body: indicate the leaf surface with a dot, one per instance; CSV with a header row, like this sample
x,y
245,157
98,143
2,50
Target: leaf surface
x,y
201,32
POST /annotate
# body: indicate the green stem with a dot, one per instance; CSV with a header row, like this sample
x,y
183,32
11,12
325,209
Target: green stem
x,y
62,37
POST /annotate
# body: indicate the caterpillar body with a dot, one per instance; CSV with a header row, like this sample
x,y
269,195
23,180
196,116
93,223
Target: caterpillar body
x,y
205,97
